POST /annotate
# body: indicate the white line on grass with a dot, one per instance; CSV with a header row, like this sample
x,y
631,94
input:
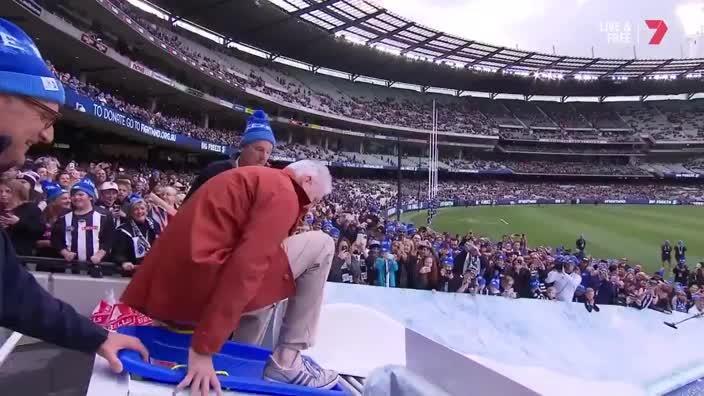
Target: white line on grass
x,y
504,221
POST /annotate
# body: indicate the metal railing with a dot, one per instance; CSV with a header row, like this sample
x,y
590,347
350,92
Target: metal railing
x,y
59,265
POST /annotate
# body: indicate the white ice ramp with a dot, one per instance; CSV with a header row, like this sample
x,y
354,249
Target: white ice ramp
x,y
547,347
355,340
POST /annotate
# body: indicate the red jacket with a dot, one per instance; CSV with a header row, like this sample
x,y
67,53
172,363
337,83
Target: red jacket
x,y
222,255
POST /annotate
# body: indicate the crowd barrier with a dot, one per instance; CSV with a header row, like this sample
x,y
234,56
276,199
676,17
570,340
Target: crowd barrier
x,y
59,265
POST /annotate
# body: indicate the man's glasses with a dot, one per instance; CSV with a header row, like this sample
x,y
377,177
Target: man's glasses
x,y
49,115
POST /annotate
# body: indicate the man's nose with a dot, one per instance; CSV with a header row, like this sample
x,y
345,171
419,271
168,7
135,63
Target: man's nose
x,y
47,135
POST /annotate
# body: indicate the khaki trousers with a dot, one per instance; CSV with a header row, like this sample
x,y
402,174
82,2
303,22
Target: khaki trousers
x,y
310,256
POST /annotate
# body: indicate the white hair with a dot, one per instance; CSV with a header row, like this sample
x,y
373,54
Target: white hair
x,y
319,173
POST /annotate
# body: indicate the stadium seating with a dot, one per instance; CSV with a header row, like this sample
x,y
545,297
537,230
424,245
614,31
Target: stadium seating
x,y
409,109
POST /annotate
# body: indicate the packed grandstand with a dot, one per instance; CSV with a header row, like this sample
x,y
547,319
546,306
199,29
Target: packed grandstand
x,y
149,102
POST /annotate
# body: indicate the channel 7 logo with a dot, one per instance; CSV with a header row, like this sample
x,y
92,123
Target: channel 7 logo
x,y
659,27
623,32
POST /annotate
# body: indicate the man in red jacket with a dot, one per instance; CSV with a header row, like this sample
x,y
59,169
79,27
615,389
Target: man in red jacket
x,y
228,252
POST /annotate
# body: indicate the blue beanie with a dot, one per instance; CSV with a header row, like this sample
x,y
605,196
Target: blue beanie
x,y
22,70
257,129
495,283
85,185
52,190
386,246
334,233
448,261
133,200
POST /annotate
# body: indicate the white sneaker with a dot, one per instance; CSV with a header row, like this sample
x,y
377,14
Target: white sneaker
x,y
304,372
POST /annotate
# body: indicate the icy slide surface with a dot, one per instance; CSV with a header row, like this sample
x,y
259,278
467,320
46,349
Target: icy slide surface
x,y
546,346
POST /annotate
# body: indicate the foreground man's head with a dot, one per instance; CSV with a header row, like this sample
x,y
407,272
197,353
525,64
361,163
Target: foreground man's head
x,y
30,96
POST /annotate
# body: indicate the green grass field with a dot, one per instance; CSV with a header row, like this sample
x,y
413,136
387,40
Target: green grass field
x,y
615,231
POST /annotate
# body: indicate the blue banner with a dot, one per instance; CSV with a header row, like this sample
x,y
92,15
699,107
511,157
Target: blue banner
x,y
542,201
86,105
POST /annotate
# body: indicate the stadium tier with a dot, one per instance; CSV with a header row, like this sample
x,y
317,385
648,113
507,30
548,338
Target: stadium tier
x,y
327,99
421,200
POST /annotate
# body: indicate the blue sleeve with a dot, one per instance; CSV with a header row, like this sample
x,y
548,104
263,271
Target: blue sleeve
x,y
27,308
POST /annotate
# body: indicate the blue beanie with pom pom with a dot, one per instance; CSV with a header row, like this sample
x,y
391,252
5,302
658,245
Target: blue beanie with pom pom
x,y
22,70
257,129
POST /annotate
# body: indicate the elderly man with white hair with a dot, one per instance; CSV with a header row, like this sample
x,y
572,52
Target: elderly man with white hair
x,y
230,251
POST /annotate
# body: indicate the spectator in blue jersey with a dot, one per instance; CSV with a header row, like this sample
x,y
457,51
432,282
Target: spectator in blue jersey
x,y
447,275
494,288
84,234
535,291
30,97
386,266
134,237
679,301
257,143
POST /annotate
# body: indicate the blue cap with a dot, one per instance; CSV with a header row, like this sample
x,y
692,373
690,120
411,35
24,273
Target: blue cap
x,y
85,185
448,261
309,218
257,129
133,200
52,190
22,70
385,245
495,283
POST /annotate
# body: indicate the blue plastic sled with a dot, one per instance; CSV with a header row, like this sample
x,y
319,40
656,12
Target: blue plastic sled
x,y
240,366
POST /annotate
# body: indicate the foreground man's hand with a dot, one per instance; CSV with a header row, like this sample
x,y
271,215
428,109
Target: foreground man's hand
x,y
201,375
117,342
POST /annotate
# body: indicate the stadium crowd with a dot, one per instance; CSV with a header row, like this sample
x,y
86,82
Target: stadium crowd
x,y
44,203
169,123
614,122
138,202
